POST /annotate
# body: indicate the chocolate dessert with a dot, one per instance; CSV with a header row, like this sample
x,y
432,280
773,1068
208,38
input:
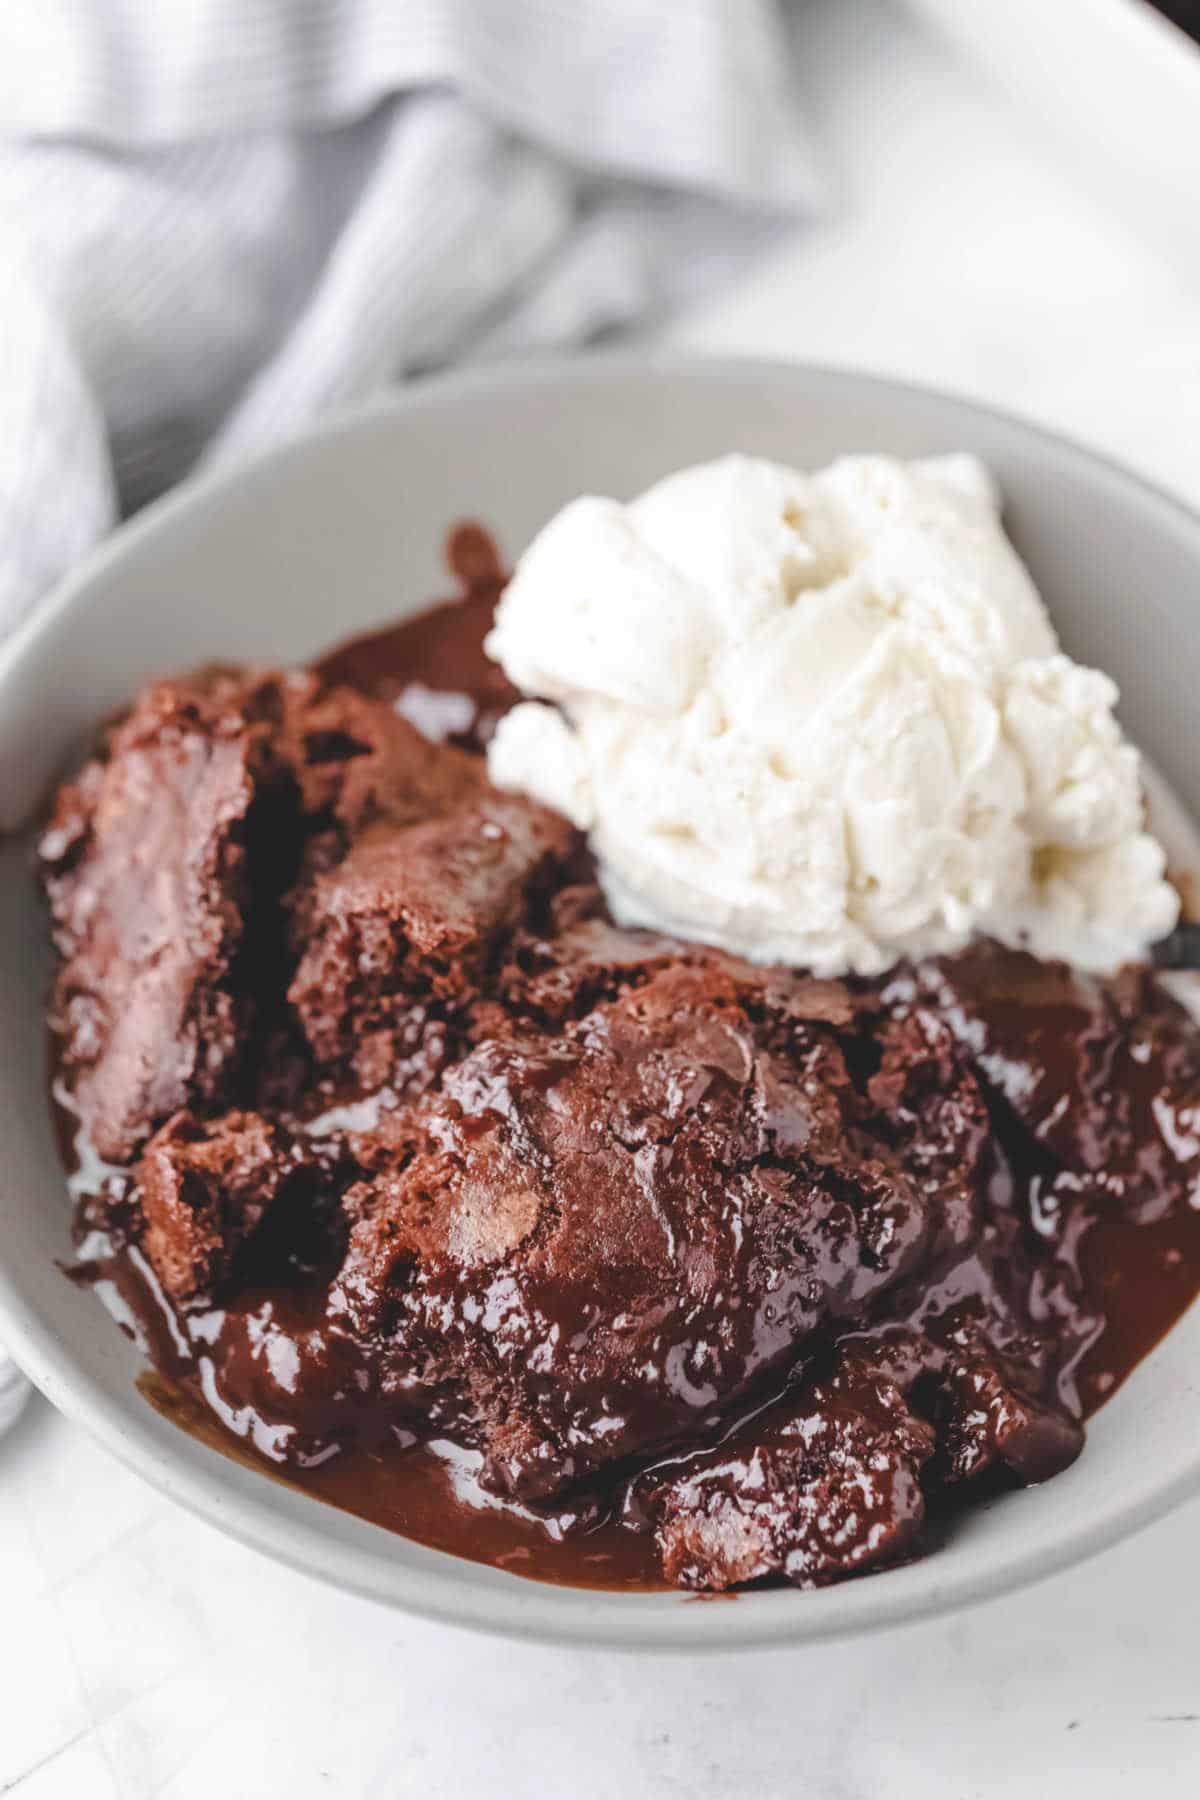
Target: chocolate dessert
x,y
422,1176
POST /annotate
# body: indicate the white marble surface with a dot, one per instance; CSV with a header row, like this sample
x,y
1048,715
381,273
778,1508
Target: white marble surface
x,y
141,1654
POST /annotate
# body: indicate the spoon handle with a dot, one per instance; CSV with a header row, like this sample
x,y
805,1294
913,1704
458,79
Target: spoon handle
x,y
1181,950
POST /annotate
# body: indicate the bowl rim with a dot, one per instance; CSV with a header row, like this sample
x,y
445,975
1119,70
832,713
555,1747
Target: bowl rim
x,y
449,1589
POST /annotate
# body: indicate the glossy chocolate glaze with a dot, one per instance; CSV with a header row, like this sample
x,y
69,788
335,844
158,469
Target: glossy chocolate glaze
x,y
268,1376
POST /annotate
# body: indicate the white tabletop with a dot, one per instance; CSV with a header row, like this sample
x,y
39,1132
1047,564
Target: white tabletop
x,y
141,1654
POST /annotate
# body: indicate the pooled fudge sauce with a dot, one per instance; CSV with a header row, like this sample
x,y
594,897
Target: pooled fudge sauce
x,y
599,1256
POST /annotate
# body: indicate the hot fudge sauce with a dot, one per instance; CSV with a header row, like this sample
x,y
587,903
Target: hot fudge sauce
x,y
599,1256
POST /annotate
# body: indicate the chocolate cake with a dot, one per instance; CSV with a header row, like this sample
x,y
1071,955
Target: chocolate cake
x,y
412,1144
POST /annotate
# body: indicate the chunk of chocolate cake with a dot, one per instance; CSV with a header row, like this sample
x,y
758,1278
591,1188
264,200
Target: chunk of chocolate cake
x,y
589,1245
1105,1075
204,1187
399,931
145,868
817,1488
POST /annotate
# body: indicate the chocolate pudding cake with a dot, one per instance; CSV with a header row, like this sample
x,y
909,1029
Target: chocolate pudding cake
x,y
597,1253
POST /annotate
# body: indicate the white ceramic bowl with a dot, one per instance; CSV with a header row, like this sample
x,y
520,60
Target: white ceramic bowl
x,y
344,530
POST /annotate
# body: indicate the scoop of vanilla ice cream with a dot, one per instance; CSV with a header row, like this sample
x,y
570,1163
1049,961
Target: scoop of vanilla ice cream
x,y
824,720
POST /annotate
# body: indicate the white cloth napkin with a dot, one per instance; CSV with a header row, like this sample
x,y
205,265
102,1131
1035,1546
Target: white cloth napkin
x,y
219,218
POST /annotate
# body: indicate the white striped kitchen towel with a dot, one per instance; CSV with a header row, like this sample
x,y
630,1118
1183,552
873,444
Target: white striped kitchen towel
x,y
219,218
